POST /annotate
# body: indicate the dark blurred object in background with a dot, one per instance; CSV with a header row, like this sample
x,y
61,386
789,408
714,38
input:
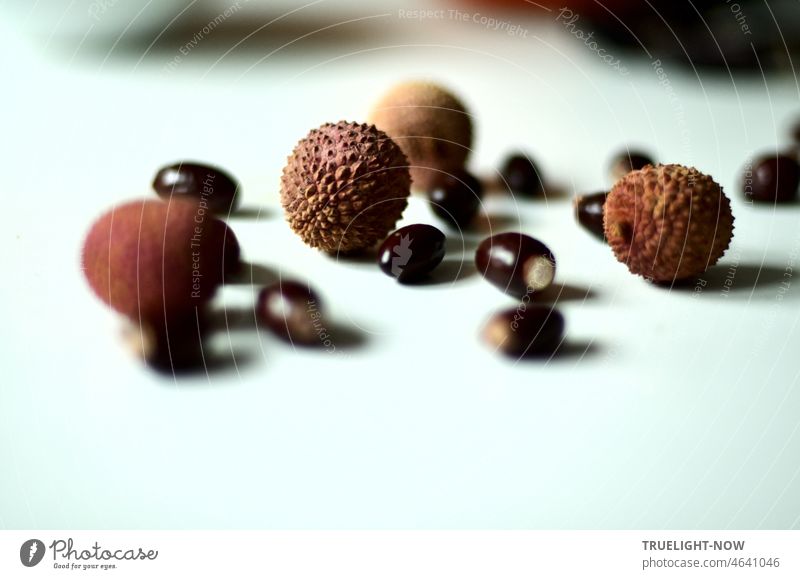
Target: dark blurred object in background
x,y
743,35
736,34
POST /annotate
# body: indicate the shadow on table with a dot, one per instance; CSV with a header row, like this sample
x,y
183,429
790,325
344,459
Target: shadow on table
x,y
251,212
448,272
738,281
569,350
563,292
239,319
253,274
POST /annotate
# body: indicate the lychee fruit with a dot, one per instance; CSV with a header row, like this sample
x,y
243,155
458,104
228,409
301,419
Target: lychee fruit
x,y
668,222
344,187
155,261
430,124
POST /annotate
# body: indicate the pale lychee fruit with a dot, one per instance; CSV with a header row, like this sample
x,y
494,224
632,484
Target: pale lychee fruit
x,y
344,187
432,127
668,222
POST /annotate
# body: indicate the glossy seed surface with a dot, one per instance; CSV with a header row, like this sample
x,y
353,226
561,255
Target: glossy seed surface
x,y
292,311
775,178
525,331
627,161
411,252
522,176
456,199
200,182
169,346
589,213
516,263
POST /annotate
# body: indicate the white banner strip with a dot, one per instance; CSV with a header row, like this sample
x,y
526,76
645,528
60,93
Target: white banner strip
x,y
399,554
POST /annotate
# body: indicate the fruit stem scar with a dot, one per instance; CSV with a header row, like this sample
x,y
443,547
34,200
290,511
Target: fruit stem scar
x,y
622,230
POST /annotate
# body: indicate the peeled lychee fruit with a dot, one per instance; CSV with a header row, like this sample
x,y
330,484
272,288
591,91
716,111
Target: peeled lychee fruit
x,y
432,127
668,222
156,261
344,187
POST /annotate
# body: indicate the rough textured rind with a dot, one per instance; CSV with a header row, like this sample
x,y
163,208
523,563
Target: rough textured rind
x,y
430,124
344,187
668,222
140,258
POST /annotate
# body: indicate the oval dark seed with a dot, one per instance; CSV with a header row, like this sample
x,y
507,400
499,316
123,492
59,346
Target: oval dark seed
x,y
530,330
456,199
627,161
522,176
169,346
773,178
516,263
200,182
292,311
589,213
412,252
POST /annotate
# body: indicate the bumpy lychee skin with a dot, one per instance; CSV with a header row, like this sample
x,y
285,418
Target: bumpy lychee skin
x,y
344,187
156,261
668,222
432,127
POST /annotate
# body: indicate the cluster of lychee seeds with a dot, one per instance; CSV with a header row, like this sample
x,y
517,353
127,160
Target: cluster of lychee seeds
x,y
159,262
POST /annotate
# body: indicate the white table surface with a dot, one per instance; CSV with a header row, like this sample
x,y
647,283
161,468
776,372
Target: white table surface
x,y
669,410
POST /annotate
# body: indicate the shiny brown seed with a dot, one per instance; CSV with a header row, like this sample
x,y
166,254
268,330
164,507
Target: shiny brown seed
x,y
627,161
456,199
292,311
774,178
411,252
589,213
528,330
516,263
173,346
522,176
199,182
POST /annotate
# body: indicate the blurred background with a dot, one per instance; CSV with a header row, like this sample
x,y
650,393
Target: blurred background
x,y
669,410
726,34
